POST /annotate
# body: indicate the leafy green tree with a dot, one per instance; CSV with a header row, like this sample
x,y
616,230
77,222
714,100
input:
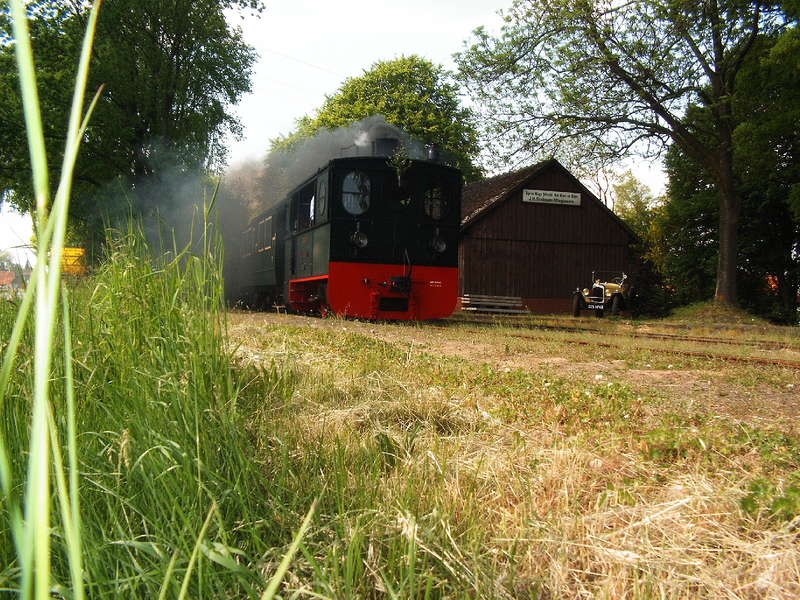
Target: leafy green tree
x,y
170,71
619,76
767,169
685,230
634,203
411,93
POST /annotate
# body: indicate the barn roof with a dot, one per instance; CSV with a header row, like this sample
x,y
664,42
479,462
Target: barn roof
x,y
481,197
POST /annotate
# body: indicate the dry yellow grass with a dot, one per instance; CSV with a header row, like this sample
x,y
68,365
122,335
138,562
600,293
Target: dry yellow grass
x,y
551,487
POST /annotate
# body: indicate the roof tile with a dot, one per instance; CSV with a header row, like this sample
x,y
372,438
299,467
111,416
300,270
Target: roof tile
x,y
482,195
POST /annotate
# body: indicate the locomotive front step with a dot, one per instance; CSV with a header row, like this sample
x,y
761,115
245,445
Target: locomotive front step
x,y
493,304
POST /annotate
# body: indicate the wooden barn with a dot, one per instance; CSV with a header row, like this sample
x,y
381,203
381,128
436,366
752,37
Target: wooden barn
x,y
537,234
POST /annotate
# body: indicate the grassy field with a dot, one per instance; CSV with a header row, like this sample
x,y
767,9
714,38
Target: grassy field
x,y
447,467
453,461
171,498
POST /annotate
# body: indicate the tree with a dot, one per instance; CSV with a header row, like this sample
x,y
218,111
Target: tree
x,y
620,75
7,262
767,169
634,204
411,93
171,69
686,237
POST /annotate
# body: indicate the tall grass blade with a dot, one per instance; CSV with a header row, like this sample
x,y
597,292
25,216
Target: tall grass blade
x,y
275,581
74,545
70,533
162,595
35,548
195,553
77,123
30,107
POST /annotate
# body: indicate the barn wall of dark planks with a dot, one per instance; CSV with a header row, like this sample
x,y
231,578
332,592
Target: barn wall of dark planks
x,y
539,252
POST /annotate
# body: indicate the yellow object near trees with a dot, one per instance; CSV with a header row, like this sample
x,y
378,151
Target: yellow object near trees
x,y
73,261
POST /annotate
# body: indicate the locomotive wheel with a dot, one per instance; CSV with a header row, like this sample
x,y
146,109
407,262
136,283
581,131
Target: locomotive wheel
x,y
576,306
323,307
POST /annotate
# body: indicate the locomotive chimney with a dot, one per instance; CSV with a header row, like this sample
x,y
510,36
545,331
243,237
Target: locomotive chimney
x,y
385,146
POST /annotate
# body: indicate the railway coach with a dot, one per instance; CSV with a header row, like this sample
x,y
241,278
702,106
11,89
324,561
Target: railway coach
x,y
364,236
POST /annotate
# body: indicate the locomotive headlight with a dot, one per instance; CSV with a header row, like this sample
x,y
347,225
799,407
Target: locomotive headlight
x,y
359,239
438,244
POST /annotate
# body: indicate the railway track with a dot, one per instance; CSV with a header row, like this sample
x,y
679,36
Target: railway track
x,y
758,360
735,327
791,364
760,344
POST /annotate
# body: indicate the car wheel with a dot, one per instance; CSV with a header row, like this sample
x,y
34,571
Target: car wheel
x,y
616,305
576,305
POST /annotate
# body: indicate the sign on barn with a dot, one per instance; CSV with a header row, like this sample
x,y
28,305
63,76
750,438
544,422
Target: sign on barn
x,y
551,197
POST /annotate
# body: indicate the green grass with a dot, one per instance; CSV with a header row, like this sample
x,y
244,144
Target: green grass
x,y
162,443
433,477
713,313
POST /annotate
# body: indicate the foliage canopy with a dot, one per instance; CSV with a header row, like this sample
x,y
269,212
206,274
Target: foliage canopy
x,y
619,76
411,93
170,71
767,170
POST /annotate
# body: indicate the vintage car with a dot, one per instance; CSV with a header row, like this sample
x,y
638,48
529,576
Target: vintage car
x,y
610,291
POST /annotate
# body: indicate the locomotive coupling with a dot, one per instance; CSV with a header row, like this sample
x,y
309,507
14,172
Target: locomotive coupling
x,y
401,284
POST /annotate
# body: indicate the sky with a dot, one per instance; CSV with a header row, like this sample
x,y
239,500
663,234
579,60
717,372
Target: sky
x,y
15,234
307,48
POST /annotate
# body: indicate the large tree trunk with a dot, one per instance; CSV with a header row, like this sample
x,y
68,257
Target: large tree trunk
x,y
729,209
787,292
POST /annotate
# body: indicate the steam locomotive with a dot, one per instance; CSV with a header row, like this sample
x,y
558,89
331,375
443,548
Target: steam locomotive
x,y
364,236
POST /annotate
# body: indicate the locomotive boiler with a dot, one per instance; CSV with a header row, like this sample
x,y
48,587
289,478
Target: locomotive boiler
x,y
365,236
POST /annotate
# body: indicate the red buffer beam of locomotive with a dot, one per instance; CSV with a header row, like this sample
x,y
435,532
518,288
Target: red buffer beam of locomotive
x,y
371,291
379,291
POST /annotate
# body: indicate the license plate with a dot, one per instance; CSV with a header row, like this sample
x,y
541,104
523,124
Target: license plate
x,y
595,306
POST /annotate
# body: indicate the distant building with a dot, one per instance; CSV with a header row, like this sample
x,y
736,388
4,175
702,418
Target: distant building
x,y
537,234
7,279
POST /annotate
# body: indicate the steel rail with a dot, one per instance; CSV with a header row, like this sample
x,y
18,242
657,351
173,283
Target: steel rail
x,y
792,364
763,344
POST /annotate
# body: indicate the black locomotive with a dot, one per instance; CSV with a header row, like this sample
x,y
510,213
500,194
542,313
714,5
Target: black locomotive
x,y
364,236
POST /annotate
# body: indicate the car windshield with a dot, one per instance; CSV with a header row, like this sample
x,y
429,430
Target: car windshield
x,y
609,276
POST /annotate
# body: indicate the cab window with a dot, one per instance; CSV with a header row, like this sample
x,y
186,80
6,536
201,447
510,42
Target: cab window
x,y
265,234
435,202
303,208
356,191
322,198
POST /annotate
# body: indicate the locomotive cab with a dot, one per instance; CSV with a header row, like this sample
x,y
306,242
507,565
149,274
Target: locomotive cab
x,y
389,239
366,239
